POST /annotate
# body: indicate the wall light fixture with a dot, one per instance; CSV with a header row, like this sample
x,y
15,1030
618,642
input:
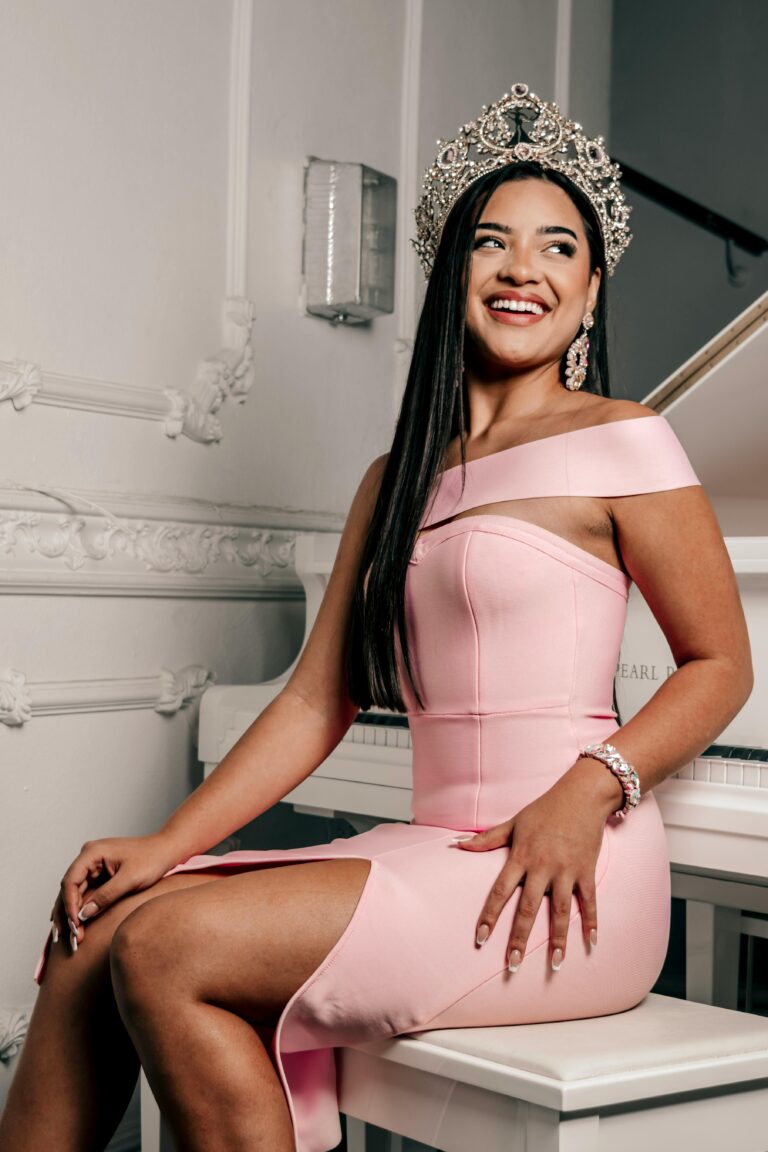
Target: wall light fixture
x,y
348,261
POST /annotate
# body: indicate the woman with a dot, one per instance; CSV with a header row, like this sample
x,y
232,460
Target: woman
x,y
496,627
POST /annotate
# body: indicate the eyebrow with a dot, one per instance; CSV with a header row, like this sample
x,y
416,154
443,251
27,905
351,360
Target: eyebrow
x,y
545,230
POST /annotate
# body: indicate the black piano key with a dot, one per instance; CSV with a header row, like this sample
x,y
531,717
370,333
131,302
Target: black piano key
x,y
735,752
380,720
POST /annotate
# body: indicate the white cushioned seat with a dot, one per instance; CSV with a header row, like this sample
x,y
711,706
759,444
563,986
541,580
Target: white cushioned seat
x,y
661,1036
663,1072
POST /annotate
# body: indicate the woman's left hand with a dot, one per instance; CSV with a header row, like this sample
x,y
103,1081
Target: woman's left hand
x,y
554,844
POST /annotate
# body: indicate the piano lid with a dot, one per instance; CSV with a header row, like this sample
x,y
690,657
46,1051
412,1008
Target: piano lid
x,y
717,403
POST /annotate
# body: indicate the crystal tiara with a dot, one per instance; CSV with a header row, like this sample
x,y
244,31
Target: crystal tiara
x,y
521,127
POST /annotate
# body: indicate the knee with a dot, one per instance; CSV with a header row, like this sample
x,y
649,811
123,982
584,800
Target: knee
x,y
138,957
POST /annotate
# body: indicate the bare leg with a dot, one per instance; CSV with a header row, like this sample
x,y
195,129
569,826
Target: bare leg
x,y
78,1067
199,974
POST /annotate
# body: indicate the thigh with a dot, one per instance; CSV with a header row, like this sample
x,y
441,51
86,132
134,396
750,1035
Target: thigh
x,y
245,942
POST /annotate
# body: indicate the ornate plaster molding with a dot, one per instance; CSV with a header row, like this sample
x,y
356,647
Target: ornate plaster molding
x,y
13,1030
90,549
19,382
15,699
165,693
18,496
57,541
226,375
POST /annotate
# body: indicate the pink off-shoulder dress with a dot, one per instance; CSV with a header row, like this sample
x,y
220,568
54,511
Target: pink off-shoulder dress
x,y
514,633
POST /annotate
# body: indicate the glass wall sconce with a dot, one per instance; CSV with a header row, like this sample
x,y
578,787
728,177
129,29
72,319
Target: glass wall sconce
x,y
348,261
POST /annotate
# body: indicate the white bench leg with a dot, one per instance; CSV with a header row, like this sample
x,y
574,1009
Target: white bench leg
x,y
545,1131
712,941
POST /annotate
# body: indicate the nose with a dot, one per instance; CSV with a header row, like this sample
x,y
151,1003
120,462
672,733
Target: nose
x,y
518,265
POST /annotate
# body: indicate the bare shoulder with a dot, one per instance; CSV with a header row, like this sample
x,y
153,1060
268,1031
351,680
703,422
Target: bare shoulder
x,y
375,472
360,513
609,409
364,502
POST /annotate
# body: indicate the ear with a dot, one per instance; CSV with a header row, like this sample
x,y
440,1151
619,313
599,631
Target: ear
x,y
593,289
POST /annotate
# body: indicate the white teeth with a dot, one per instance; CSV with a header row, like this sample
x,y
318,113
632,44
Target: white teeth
x,y
517,306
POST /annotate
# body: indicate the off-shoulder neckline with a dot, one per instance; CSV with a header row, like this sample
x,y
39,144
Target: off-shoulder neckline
x,y
546,439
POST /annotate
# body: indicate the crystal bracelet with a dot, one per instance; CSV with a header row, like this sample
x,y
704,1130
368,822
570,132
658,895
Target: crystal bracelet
x,y
630,781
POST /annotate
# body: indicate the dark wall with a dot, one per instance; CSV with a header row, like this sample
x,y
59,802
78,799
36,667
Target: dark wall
x,y
687,108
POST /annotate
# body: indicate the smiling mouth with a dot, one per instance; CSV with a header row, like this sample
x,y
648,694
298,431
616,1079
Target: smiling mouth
x,y
516,312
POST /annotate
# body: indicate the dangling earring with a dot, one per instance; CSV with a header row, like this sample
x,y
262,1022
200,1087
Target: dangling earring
x,y
577,358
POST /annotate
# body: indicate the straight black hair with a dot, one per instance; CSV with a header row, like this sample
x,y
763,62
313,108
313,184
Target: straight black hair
x,y
433,411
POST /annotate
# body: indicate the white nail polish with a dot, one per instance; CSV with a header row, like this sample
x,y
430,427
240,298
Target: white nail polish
x,y
557,959
55,933
461,839
514,960
73,941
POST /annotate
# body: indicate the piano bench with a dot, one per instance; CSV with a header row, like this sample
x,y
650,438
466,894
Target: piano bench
x,y
666,1075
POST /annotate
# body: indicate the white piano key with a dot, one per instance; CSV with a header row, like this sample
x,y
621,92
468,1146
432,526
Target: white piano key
x,y
764,775
686,773
733,772
751,775
701,770
717,771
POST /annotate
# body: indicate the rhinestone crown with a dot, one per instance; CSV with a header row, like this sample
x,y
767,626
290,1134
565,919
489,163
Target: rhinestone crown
x,y
521,127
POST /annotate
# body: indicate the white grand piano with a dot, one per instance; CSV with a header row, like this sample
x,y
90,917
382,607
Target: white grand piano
x,y
716,809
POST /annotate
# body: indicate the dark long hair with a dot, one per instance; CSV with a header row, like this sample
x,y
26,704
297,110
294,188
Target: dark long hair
x,y
433,411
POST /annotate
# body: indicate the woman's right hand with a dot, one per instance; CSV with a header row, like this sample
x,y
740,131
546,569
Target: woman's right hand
x,y
104,872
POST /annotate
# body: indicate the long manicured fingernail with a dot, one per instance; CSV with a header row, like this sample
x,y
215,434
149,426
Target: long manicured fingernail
x,y
89,910
593,935
73,941
557,959
55,933
515,959
72,926
461,839
483,933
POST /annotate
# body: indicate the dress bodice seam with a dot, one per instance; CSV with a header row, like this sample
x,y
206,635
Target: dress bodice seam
x,y
555,546
527,708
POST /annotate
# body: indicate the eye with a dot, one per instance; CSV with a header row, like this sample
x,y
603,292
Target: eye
x,y
487,240
565,246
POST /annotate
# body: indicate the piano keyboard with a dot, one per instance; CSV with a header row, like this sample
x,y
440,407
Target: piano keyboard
x,y
742,767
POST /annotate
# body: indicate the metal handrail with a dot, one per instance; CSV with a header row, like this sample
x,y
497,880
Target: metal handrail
x,y
692,211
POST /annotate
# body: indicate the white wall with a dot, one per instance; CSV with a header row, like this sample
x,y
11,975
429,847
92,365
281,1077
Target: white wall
x,y
326,82
473,53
